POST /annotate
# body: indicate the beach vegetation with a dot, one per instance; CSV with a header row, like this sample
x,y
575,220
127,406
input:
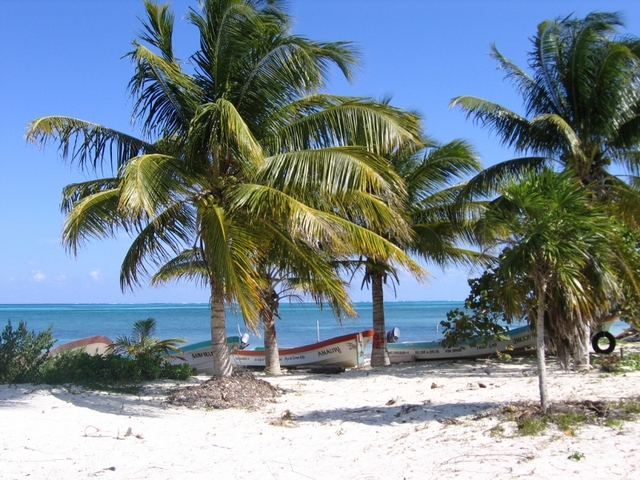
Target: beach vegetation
x,y
581,115
531,426
497,431
143,343
569,416
238,142
483,318
22,352
613,423
630,362
576,456
557,244
97,371
567,422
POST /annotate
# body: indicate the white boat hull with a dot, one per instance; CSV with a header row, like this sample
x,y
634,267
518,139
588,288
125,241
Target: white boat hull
x,y
413,351
346,351
200,355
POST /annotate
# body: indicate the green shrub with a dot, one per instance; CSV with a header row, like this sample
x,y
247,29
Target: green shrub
x,y
22,353
94,370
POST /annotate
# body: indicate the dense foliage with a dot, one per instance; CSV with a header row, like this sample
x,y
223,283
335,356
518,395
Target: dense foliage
x,y
22,353
483,318
24,358
79,367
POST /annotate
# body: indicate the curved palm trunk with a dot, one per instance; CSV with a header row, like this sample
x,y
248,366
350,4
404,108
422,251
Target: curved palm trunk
x,y
221,358
540,348
379,353
271,351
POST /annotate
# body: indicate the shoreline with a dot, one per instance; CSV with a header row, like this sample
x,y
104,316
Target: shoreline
x,y
406,421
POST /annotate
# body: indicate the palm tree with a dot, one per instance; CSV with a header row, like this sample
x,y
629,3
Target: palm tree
x,y
582,113
288,269
296,273
237,141
582,102
143,342
557,242
428,170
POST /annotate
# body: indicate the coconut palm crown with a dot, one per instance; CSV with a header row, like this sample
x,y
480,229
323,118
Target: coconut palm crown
x,y
237,141
581,101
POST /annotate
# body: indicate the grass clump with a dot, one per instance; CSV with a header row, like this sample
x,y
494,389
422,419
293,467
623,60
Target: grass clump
x,y
630,362
531,426
569,421
576,456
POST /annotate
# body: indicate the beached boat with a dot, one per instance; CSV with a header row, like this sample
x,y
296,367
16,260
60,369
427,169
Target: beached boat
x,y
199,355
346,351
519,338
96,345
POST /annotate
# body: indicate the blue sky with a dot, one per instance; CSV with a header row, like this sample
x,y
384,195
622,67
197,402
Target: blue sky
x,y
65,58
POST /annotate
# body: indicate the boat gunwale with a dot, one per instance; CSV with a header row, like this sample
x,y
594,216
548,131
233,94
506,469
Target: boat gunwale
x,y
306,348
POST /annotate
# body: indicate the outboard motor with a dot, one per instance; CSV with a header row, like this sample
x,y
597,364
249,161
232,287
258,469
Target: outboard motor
x,y
244,341
393,335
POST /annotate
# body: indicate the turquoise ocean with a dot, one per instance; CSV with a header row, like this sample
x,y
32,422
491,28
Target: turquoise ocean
x,y
300,323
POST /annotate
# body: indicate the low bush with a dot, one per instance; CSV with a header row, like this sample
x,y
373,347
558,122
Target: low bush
x,y
24,358
22,353
94,370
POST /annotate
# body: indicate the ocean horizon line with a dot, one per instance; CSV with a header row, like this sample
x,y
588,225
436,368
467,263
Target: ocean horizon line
x,y
207,303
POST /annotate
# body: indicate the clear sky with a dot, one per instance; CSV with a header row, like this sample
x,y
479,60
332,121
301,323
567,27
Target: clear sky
x,y
64,57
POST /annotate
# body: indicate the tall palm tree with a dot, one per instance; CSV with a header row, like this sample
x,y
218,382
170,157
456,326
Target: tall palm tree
x,y
555,240
429,170
239,139
582,113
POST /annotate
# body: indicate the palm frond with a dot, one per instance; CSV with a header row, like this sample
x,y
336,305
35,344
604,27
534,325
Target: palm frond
x,y
332,171
322,121
166,97
159,240
74,192
151,183
188,265
490,180
93,217
85,143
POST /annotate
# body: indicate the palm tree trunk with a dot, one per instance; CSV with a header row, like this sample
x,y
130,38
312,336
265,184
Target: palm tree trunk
x,y
581,359
271,352
540,348
379,353
221,359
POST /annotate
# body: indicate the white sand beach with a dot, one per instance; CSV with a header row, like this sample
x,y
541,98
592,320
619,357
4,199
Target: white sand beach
x,y
411,421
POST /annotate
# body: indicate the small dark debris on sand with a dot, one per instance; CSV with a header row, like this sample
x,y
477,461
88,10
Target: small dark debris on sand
x,y
593,410
240,390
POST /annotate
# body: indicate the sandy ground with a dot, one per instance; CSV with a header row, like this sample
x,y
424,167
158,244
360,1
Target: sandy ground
x,y
411,421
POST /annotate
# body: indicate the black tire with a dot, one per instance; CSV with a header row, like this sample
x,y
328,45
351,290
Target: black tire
x,y
596,339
